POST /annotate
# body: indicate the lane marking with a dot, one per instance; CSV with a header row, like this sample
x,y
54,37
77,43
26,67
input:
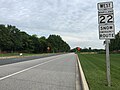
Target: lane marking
x,y
83,78
25,70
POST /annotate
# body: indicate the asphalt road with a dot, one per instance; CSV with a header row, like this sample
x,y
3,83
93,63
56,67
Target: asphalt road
x,y
50,73
4,61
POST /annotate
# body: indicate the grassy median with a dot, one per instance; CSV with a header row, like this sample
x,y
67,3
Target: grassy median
x,y
18,54
94,68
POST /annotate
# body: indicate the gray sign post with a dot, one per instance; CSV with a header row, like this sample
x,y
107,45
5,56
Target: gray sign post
x,y
108,63
106,30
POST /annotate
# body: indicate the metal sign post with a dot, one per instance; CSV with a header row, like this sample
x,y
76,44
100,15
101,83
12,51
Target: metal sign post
x,y
106,30
108,63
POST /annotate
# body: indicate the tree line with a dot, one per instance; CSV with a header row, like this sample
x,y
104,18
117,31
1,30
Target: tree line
x,y
89,49
114,46
115,43
14,40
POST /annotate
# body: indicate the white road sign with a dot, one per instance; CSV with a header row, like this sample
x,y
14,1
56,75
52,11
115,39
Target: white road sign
x,y
106,27
106,18
109,11
106,32
105,5
107,35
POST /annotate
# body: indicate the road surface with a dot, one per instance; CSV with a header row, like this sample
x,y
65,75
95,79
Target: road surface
x,y
50,73
9,60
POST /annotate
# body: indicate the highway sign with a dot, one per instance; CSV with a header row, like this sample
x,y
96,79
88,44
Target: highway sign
x,y
105,5
106,27
78,48
106,32
109,11
106,18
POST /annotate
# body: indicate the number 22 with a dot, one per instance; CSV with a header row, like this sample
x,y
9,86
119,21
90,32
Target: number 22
x,y
109,19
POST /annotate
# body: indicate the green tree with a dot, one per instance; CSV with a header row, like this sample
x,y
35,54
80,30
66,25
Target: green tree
x,y
5,41
43,44
15,37
35,44
115,43
13,40
57,44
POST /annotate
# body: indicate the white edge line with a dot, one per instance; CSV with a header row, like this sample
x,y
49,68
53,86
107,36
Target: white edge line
x,y
24,70
84,82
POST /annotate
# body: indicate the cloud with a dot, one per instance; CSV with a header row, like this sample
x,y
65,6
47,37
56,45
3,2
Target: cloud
x,y
75,20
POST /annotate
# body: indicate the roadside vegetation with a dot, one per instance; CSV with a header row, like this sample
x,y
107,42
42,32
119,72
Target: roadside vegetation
x,y
17,54
115,43
114,47
94,68
9,54
14,40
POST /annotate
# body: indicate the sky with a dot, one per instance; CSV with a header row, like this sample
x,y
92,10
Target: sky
x,y
76,21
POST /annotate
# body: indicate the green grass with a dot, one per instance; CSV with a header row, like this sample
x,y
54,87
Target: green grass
x,y
94,68
8,54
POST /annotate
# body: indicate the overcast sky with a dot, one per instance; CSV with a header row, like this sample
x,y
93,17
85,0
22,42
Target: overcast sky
x,y
74,20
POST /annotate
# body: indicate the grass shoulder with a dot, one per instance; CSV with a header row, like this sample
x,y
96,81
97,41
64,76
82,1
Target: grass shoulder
x,y
17,55
94,68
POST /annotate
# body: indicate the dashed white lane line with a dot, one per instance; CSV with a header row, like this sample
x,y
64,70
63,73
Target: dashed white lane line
x,y
25,69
